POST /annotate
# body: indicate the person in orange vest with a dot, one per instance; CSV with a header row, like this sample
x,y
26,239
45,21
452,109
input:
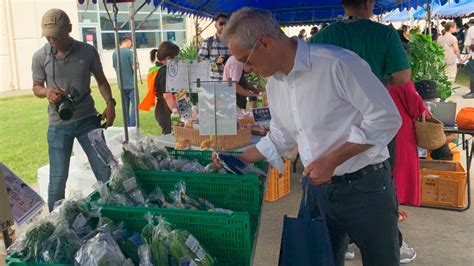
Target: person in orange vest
x,y
156,86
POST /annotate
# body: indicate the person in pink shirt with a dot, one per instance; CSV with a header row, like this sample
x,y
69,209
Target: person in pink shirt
x,y
234,70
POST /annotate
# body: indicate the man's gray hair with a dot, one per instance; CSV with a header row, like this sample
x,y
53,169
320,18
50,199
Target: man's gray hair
x,y
248,24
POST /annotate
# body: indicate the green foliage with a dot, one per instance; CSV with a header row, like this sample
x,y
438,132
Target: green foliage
x,y
427,63
256,80
188,52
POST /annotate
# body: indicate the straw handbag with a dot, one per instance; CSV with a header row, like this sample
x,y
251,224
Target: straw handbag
x,y
429,133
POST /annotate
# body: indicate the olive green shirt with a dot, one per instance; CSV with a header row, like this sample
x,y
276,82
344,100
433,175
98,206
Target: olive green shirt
x,y
377,44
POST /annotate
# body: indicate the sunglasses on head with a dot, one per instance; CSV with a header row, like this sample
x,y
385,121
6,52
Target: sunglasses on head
x,y
222,23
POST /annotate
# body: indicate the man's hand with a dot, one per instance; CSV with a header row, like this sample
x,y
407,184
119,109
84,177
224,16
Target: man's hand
x,y
320,171
54,95
109,114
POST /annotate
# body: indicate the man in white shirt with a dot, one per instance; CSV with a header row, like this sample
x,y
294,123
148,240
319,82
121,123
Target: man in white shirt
x,y
328,101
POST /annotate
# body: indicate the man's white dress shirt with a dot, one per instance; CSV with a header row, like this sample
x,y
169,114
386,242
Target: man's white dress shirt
x,y
330,97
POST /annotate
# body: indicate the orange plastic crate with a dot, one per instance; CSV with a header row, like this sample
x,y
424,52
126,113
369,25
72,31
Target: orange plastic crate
x,y
278,184
443,183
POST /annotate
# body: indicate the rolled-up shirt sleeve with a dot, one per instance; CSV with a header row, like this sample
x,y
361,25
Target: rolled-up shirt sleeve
x,y
275,143
381,119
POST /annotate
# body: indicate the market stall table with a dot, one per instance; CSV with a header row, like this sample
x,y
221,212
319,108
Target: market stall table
x,y
170,141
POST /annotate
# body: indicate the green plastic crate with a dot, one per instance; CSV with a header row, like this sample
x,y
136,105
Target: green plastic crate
x,y
13,260
226,237
235,192
205,157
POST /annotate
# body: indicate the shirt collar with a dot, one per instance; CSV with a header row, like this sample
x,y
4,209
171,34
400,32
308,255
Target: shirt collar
x,y
302,60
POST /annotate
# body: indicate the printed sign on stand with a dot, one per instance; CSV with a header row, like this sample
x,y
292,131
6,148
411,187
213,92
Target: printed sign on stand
x,y
24,201
181,75
261,115
217,108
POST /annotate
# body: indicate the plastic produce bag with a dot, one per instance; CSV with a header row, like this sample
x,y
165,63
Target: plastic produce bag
x,y
123,181
147,231
75,214
157,199
160,242
28,246
101,250
61,246
186,249
144,252
128,242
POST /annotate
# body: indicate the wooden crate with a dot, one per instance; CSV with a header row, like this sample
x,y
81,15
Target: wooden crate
x,y
443,183
278,184
243,138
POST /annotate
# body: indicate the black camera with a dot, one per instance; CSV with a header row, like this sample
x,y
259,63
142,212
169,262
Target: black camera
x,y
65,107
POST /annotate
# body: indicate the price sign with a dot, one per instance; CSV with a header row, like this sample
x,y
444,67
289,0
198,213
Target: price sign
x,y
261,114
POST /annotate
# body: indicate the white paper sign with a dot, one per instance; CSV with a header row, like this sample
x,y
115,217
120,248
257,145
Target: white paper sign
x,y
24,201
177,76
224,109
183,74
198,70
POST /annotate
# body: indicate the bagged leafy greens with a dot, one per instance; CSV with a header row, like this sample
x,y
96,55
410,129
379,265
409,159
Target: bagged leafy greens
x,y
123,181
61,246
101,250
186,249
29,244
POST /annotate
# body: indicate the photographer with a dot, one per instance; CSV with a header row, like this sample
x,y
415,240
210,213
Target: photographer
x,y
66,66
215,50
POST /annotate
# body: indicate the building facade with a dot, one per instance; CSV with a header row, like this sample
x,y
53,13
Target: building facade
x,y
20,34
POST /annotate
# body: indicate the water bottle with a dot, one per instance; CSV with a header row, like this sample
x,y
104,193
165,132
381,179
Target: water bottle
x,y
175,118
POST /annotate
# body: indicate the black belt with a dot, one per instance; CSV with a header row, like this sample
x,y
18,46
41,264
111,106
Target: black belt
x,y
348,178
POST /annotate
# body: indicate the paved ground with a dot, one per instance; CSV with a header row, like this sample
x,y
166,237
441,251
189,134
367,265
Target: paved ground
x,y
439,237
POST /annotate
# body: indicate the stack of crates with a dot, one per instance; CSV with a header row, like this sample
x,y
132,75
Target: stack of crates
x,y
443,183
278,184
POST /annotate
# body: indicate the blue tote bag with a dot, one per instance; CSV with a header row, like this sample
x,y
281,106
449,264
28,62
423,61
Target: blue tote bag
x,y
305,240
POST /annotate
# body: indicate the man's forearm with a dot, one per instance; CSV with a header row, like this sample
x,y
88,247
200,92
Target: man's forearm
x,y
39,91
345,152
105,91
251,155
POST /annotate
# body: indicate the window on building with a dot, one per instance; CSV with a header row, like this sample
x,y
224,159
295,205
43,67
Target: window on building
x,y
160,26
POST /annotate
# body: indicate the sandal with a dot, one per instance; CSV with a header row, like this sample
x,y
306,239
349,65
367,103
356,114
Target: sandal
x,y
402,216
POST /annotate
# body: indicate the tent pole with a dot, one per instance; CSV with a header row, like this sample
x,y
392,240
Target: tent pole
x,y
428,16
119,64
135,66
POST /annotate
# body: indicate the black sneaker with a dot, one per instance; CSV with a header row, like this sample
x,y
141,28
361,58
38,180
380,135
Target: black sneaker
x,y
469,96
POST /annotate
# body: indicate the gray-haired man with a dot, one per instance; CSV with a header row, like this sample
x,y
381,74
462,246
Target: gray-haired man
x,y
327,100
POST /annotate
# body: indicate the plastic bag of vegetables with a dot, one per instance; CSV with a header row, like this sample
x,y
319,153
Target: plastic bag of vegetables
x,y
160,242
75,214
101,250
28,246
128,242
185,249
61,246
123,181
144,252
156,199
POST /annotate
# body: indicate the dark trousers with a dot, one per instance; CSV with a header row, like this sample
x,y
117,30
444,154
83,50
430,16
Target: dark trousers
x,y
470,71
163,116
367,210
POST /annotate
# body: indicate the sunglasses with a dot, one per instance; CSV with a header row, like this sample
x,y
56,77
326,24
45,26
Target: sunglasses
x,y
222,23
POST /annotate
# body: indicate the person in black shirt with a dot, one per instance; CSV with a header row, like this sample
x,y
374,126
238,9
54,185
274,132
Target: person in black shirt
x,y
166,51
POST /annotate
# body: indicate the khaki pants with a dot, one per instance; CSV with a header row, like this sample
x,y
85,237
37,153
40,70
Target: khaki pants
x,y
451,71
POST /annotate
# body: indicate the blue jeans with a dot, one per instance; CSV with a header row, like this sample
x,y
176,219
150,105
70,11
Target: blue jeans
x,y
129,95
60,141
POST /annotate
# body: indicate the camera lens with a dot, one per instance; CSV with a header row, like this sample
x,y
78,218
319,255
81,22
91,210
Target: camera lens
x,y
65,109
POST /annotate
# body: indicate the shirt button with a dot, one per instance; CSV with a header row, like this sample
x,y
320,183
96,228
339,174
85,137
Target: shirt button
x,y
301,130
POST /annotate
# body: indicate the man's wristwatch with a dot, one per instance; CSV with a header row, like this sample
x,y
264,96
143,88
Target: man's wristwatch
x,y
112,100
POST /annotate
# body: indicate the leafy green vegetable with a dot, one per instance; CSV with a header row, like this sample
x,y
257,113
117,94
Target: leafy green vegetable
x,y
184,247
34,238
61,246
